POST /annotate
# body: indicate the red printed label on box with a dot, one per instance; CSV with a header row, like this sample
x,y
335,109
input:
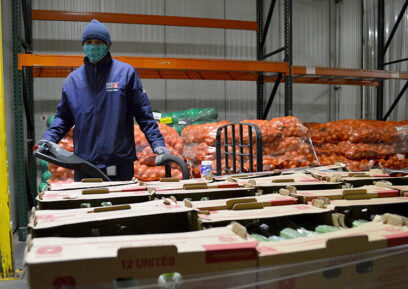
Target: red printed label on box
x,y
49,250
387,193
283,202
219,253
309,180
302,207
397,239
46,218
267,250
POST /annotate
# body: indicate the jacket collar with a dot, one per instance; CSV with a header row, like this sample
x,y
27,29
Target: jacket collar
x,y
101,65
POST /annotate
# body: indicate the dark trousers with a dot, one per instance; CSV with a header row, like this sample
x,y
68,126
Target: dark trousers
x,y
124,172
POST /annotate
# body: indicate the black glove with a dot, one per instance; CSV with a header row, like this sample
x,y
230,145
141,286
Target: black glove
x,y
161,150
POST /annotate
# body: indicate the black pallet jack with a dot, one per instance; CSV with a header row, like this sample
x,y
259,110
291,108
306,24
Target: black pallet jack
x,y
53,153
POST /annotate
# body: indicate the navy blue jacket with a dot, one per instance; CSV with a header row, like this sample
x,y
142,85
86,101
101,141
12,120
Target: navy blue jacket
x,y
101,101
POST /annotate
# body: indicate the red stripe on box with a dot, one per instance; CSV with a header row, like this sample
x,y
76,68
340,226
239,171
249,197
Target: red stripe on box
x,y
397,239
134,189
284,202
220,253
387,193
233,185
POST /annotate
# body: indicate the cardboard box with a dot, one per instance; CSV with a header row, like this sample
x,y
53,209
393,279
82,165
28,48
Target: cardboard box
x,y
368,202
97,183
329,168
365,192
298,179
337,175
270,188
224,217
284,178
97,262
402,189
275,172
383,268
198,183
88,185
367,209
229,204
324,247
70,199
161,216
362,181
211,193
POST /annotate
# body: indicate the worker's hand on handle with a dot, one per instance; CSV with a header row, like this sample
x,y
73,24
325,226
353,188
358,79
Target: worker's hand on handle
x,y
42,145
161,150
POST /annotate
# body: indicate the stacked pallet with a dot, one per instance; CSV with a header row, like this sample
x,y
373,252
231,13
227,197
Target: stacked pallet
x,y
146,232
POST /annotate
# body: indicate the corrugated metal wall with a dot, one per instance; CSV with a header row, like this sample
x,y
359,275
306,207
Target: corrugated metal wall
x,y
234,100
350,56
325,33
6,12
397,50
311,47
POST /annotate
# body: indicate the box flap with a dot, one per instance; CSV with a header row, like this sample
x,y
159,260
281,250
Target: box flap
x,y
368,202
66,195
79,185
266,212
165,192
227,204
364,192
53,249
52,218
287,178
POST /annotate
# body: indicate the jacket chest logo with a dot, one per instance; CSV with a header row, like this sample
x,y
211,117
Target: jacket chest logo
x,y
112,86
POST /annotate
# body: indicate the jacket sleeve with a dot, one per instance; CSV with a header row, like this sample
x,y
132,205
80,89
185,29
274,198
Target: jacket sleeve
x,y
142,112
63,121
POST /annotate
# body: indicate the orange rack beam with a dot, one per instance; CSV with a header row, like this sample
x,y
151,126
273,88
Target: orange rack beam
x,y
167,74
341,76
212,69
204,75
57,15
160,68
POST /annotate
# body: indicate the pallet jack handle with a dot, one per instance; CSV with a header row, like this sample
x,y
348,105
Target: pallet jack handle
x,y
53,153
166,159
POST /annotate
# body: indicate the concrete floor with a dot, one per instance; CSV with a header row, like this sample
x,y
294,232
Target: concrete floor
x,y
18,259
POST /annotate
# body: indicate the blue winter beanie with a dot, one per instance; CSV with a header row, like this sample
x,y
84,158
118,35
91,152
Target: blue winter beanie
x,y
96,30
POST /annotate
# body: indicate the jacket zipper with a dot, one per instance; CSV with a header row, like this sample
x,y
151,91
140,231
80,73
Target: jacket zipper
x,y
96,102
96,85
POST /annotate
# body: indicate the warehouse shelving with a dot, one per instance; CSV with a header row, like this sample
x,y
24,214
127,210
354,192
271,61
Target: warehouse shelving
x,y
259,70
211,69
56,15
294,74
45,65
159,67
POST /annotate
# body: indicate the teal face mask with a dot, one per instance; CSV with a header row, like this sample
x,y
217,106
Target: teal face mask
x,y
95,52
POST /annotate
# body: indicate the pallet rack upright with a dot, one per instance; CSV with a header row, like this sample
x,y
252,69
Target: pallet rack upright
x,y
29,65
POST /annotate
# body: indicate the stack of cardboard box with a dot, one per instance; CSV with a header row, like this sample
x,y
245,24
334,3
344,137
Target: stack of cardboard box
x,y
139,231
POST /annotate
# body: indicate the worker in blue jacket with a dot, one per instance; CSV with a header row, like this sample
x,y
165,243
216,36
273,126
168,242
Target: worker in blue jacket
x,y
100,99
